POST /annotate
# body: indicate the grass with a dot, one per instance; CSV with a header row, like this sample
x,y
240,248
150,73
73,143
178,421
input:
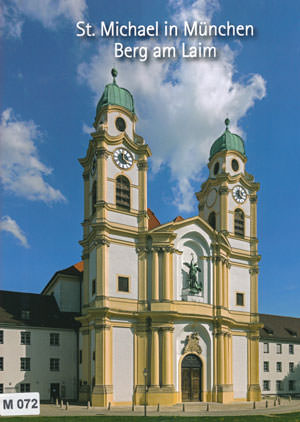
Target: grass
x,y
287,417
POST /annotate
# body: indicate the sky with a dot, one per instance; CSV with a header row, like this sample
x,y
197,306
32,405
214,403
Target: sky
x,y
51,81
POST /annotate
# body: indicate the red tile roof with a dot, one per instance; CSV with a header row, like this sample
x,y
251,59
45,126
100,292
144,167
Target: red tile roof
x,y
178,218
153,221
79,266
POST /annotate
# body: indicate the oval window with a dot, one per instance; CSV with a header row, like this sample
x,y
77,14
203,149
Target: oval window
x,y
216,168
120,124
234,165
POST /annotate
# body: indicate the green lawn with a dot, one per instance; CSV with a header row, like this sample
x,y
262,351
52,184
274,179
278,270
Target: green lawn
x,y
288,417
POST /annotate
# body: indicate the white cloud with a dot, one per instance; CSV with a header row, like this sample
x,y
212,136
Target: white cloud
x,y
47,12
181,108
7,224
21,170
87,129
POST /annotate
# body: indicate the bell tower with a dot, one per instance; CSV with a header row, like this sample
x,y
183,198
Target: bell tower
x,y
227,200
114,235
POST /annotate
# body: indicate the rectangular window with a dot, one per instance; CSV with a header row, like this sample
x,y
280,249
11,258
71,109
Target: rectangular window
x,y
240,299
1,336
292,385
123,284
54,339
1,388
94,355
25,364
266,366
291,349
266,347
93,287
291,366
25,388
80,356
25,337
25,314
279,386
54,364
279,366
266,385
1,364
278,348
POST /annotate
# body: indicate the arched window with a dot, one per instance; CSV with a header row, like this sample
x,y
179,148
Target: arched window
x,y
239,223
123,192
212,220
94,197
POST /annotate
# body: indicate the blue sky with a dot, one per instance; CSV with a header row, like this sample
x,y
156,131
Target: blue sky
x,y
50,83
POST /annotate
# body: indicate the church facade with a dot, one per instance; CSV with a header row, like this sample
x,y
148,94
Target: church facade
x,y
171,306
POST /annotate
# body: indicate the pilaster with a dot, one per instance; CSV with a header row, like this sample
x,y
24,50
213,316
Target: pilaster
x,y
142,270
223,191
85,388
254,392
155,274
142,172
103,390
102,245
102,155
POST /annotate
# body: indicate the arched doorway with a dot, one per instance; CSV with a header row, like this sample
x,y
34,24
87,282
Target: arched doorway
x,y
191,378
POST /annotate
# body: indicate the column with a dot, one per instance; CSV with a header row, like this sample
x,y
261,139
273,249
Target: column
x,y
166,287
226,371
167,356
223,191
102,245
219,281
220,354
224,282
229,359
155,357
155,274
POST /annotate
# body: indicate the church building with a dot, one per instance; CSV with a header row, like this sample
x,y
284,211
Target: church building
x,y
173,306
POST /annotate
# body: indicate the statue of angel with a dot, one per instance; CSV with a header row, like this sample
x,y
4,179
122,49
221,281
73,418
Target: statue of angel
x,y
194,285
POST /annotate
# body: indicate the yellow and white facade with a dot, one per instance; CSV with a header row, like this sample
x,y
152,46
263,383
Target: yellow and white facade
x,y
199,347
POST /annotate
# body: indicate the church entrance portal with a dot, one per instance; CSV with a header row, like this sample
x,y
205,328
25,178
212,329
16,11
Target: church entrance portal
x,y
191,377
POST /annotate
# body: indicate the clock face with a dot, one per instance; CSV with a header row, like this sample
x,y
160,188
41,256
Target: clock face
x,y
123,158
239,194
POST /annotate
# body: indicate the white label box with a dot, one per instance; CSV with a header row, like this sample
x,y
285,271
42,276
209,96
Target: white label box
x,y
19,404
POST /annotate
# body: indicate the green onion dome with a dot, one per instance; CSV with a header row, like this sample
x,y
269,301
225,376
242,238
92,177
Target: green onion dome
x,y
228,142
115,95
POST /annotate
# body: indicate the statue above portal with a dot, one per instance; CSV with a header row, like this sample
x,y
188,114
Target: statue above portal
x,y
194,285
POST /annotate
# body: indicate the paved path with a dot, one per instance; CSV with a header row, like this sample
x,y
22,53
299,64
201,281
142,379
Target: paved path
x,y
191,409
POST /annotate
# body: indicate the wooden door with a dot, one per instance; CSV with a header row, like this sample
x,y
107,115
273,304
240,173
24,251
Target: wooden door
x,y
191,372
